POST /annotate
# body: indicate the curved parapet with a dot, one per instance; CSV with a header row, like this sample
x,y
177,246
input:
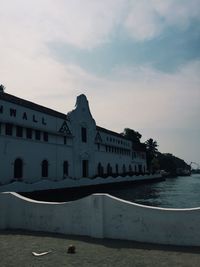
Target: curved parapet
x,y
102,216
18,212
131,221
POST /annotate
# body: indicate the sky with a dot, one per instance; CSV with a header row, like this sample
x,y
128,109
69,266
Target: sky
x,y
137,61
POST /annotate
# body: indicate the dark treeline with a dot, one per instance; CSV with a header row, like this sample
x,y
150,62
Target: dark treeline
x,y
170,164
173,165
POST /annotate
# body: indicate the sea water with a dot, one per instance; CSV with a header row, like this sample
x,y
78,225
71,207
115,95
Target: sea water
x,y
180,192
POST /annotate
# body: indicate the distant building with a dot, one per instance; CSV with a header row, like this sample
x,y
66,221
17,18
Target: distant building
x,y
39,143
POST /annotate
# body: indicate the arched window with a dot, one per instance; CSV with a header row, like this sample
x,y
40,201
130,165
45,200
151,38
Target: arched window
x,y
124,169
109,169
100,169
18,169
117,169
140,168
65,168
130,168
45,168
135,168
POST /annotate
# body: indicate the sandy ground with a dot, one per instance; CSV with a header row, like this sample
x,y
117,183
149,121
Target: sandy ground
x,y
16,250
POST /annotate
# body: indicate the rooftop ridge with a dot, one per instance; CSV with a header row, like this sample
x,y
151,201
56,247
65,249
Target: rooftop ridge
x,y
28,104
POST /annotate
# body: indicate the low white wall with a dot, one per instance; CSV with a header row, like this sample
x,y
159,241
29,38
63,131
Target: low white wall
x,y
102,216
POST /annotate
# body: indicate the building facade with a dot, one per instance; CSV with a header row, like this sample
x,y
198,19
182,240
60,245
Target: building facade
x,y
40,143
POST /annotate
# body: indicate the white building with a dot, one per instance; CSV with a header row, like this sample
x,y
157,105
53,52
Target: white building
x,y
39,143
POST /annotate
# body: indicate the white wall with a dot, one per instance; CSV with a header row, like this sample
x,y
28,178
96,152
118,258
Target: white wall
x,y
103,157
81,117
31,151
45,122
32,154
102,216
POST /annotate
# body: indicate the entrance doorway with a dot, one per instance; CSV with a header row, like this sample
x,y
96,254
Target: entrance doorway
x,y
85,172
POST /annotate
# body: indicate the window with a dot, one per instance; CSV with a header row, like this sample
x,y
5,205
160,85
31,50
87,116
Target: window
x,y
19,131
130,168
65,140
124,169
29,133
37,135
84,134
140,168
65,168
45,136
45,168
109,169
99,170
116,169
85,172
9,129
18,169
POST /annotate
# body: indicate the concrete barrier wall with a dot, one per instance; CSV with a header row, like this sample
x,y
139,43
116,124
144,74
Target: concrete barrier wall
x,y
102,216
125,220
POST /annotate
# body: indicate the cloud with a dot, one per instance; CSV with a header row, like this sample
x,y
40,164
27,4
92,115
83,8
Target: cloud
x,y
147,19
90,23
27,65
137,97
153,98
84,24
142,22
177,12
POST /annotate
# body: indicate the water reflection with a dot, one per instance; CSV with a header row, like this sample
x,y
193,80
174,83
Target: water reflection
x,y
180,192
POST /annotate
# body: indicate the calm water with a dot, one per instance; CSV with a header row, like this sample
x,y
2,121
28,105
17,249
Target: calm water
x,y
180,192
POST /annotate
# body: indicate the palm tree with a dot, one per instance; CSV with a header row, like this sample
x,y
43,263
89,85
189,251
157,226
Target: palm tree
x,y
151,146
152,150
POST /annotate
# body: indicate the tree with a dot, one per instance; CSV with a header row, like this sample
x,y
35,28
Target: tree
x,y
173,164
152,150
151,146
132,135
